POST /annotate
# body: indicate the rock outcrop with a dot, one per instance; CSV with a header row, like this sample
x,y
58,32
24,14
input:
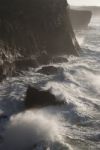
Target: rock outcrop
x,y
49,70
80,18
30,27
38,98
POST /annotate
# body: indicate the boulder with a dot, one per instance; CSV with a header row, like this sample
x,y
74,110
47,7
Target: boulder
x,y
3,116
38,98
48,70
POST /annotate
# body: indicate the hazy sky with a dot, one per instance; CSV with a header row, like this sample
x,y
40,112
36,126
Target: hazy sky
x,y
84,2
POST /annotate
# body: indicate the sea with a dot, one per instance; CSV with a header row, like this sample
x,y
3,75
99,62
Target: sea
x,y
74,125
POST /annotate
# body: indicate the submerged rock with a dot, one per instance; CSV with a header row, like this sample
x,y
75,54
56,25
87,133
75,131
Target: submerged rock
x,y
37,98
48,70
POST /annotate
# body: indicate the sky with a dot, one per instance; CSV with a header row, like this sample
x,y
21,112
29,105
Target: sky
x,y
84,2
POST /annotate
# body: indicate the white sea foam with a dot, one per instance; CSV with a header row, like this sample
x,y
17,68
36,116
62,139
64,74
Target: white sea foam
x,y
31,127
80,39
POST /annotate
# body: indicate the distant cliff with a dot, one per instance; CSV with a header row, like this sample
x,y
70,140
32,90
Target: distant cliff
x,y
94,9
80,18
28,28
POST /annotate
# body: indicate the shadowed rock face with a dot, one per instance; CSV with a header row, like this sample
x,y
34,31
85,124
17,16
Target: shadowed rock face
x,y
36,98
29,27
80,18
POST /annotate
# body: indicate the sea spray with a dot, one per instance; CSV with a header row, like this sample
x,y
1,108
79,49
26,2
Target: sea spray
x,y
30,127
80,39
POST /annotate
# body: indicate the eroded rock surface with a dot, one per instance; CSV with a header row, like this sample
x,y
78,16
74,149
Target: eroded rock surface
x,y
30,27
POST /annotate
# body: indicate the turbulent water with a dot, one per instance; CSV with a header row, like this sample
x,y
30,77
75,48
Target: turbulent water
x,y
73,126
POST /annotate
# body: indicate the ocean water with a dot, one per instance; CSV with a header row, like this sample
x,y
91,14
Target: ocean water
x,y
73,126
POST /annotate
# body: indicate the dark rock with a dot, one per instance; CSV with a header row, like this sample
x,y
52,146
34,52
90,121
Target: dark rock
x,y
44,144
80,18
44,58
1,73
59,59
6,69
30,27
24,64
34,26
94,138
2,77
48,70
36,98
3,116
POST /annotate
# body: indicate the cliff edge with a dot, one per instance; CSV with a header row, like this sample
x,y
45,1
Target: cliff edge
x,y
28,28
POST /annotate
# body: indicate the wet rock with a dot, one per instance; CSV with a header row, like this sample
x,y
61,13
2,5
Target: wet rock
x,y
24,64
42,144
94,137
37,98
59,59
1,73
44,58
2,77
6,69
48,70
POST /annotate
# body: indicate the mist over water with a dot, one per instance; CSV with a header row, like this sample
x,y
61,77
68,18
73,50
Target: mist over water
x,y
73,126
30,127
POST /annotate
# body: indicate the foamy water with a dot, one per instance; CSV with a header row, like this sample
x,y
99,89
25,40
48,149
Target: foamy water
x,y
73,126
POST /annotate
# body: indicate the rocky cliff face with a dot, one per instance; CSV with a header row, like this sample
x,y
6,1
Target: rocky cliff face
x,y
28,28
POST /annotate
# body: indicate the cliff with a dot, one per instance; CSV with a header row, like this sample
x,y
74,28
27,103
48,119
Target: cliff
x,y
28,28
94,9
80,18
